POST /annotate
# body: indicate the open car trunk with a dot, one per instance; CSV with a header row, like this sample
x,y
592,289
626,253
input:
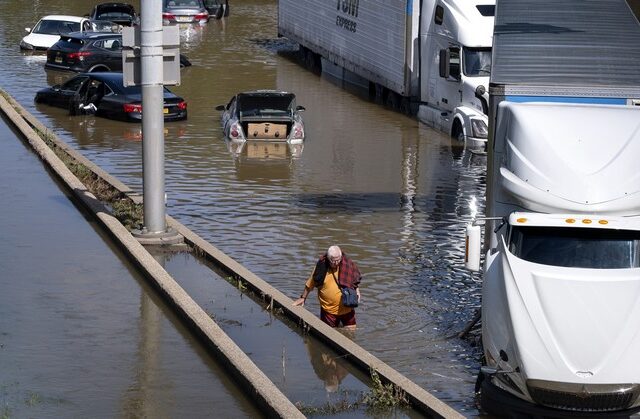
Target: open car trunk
x,y
266,116
271,129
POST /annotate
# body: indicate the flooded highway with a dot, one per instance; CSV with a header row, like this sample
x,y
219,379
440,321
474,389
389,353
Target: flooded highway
x,y
392,193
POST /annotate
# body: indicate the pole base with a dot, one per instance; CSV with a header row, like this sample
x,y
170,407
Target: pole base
x,y
169,237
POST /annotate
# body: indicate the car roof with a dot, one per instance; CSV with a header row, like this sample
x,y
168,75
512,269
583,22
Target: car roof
x,y
65,18
265,92
115,6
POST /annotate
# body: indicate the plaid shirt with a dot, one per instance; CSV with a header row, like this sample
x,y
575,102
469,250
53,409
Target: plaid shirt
x,y
349,275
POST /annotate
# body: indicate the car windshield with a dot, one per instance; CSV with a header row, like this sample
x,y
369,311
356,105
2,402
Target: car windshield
x,y
183,4
592,248
477,62
56,27
265,105
114,15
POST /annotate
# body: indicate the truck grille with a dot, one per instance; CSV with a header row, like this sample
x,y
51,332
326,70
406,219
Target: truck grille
x,y
583,397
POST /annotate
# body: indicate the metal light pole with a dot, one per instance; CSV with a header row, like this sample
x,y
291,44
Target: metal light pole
x,y
152,116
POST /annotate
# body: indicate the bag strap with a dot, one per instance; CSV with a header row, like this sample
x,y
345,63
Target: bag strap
x,y
336,279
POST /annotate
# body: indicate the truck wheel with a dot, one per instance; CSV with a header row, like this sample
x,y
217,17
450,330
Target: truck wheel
x,y
405,105
457,131
393,100
379,94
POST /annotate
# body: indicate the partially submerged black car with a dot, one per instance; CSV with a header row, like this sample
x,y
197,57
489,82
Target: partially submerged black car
x,y
121,13
104,94
86,52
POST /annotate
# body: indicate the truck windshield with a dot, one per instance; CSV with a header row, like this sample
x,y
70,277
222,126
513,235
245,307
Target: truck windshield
x,y
477,62
591,248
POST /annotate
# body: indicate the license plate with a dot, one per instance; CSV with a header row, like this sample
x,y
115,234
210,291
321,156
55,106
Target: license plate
x,y
183,19
165,110
58,59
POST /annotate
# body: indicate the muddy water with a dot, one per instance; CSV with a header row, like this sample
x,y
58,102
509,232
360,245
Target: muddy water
x,y
393,193
81,342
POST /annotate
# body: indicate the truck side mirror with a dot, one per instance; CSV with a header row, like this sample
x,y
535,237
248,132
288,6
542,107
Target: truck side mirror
x,y
472,248
444,63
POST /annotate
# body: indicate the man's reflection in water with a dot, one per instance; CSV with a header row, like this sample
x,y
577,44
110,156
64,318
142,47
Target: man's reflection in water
x,y
326,365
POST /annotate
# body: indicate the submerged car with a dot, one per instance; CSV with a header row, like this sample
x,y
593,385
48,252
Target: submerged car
x,y
217,8
263,115
87,52
48,30
184,11
121,13
104,94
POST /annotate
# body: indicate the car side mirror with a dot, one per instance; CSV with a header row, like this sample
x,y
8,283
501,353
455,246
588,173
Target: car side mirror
x,y
28,30
444,63
221,108
300,108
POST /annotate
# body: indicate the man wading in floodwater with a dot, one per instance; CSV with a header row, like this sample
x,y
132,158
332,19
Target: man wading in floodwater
x,y
333,268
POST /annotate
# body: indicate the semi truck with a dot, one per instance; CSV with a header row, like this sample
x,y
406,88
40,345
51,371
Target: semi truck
x,y
561,271
429,58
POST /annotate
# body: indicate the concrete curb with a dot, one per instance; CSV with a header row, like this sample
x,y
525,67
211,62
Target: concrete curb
x,y
259,388
365,361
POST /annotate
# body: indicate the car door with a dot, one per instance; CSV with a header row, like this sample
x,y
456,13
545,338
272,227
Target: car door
x,y
68,92
111,104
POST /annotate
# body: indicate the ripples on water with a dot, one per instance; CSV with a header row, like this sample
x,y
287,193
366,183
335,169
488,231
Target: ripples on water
x,y
393,193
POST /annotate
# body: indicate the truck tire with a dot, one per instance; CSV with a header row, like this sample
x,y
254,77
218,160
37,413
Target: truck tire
x,y
393,100
457,131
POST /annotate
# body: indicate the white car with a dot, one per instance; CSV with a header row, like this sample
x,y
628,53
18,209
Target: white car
x,y
48,30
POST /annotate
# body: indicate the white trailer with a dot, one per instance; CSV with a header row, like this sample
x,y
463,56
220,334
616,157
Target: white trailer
x,y
561,288
429,57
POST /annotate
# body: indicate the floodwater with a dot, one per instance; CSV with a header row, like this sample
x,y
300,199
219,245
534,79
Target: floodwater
x,y
81,342
394,194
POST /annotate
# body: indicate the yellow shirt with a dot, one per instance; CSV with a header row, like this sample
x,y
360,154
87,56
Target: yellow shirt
x,y
329,293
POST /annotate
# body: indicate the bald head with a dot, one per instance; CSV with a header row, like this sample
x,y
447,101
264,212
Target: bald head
x,y
334,254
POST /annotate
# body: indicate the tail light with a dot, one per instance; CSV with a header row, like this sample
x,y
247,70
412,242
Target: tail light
x,y
182,105
132,107
236,131
168,16
201,16
78,55
298,131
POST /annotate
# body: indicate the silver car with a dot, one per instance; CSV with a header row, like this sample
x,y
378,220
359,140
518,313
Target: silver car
x,y
267,115
184,11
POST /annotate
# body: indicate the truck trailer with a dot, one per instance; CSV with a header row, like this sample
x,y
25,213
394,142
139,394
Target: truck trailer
x,y
561,278
431,58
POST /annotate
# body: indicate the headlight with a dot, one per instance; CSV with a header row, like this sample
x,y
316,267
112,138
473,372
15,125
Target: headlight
x,y
479,128
25,45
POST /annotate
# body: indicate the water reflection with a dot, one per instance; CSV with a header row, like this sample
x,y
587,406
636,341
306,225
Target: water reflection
x,y
327,366
57,77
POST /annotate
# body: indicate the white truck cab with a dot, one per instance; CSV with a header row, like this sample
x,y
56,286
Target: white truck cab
x,y
561,273
454,86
